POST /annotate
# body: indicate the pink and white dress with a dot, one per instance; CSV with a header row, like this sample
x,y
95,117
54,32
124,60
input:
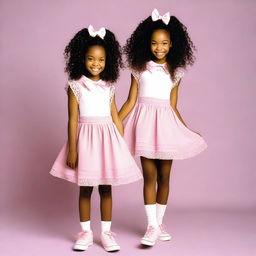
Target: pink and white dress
x,y
153,129
103,156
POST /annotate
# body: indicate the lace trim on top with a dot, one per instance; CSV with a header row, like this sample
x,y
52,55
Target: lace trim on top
x,y
136,75
75,89
178,75
112,93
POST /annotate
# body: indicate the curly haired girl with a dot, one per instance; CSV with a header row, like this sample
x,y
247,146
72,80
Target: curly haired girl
x,y
95,153
156,52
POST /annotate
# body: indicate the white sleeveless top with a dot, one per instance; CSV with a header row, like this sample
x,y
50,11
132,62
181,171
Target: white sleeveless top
x,y
94,97
155,81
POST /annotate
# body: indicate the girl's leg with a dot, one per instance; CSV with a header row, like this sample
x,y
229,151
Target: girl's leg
x,y
105,192
85,238
107,237
85,203
163,177
149,167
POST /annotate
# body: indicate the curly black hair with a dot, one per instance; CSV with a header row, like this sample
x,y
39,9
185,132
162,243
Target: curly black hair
x,y
137,48
75,55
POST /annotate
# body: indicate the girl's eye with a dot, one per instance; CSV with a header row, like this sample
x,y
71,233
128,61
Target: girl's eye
x,y
90,59
153,43
101,60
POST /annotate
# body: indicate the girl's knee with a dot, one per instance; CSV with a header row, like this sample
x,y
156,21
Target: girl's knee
x,y
163,179
105,190
150,177
85,191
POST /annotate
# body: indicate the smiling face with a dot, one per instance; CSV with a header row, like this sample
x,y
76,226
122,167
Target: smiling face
x,y
95,61
160,45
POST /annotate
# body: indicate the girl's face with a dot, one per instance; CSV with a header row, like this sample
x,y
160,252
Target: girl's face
x,y
95,61
160,45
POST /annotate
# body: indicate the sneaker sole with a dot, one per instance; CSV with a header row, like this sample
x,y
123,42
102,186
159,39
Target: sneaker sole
x,y
148,243
164,238
112,248
79,247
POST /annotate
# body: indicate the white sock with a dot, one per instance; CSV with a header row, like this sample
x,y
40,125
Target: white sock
x,y
151,214
160,210
105,226
86,225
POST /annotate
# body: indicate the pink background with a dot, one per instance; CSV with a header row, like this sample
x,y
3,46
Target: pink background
x,y
210,194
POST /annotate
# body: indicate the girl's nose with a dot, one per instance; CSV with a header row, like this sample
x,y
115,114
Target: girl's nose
x,y
158,47
95,63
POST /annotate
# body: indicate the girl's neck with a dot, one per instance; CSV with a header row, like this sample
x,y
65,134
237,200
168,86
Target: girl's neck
x,y
94,78
162,61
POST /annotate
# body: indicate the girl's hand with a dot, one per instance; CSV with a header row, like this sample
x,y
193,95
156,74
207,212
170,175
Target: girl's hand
x,y
72,159
117,121
131,100
121,129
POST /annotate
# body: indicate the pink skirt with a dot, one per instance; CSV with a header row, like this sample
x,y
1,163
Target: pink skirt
x,y
103,156
154,131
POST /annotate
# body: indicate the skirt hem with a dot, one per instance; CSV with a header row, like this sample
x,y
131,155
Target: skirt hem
x,y
170,155
94,181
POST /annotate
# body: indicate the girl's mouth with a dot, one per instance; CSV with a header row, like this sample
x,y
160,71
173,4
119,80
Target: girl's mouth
x,y
95,69
159,53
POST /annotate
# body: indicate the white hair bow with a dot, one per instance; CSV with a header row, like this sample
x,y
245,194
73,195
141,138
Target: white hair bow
x,y
101,32
156,16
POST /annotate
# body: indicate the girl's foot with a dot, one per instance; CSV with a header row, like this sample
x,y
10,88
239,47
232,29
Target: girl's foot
x,y
108,241
164,235
150,236
84,240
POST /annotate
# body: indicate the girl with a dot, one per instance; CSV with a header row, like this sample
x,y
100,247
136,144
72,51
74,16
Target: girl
x,y
155,131
95,153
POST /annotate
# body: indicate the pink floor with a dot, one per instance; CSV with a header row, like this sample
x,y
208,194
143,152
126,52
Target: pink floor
x,y
195,233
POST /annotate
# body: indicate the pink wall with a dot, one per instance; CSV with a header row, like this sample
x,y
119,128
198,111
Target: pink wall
x,y
216,99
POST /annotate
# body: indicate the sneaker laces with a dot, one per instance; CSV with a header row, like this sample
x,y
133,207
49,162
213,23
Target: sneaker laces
x,y
163,228
82,234
110,234
149,231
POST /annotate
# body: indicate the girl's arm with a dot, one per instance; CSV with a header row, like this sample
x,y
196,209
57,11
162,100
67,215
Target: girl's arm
x,y
131,100
72,129
174,100
115,117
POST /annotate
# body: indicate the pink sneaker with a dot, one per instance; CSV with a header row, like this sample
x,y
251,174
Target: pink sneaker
x,y
163,235
84,240
108,241
150,236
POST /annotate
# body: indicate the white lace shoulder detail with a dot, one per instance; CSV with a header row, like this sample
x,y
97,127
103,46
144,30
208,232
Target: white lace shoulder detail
x,y
111,93
136,75
75,89
178,75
